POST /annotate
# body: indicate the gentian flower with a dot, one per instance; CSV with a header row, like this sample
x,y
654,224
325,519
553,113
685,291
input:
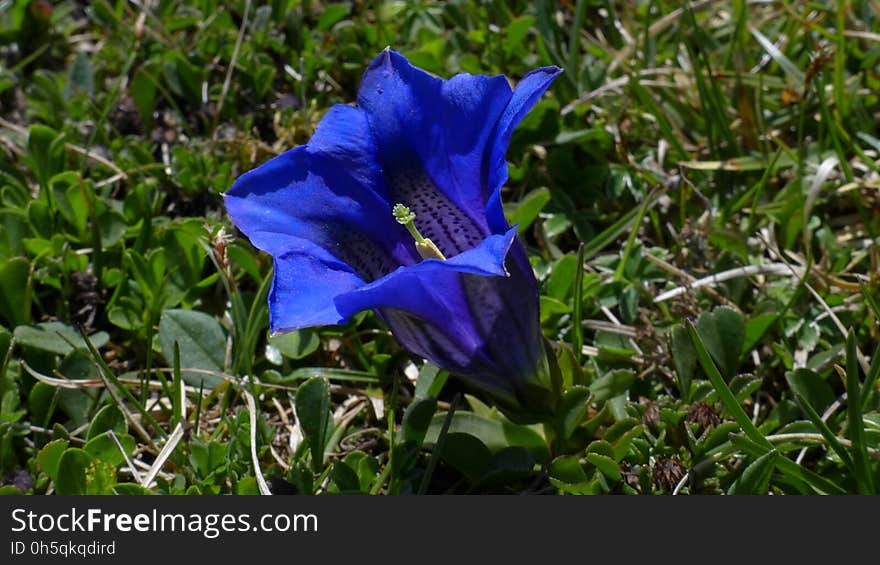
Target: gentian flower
x,y
394,205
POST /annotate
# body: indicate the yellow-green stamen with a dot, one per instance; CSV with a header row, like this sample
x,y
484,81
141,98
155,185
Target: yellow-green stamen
x,y
424,246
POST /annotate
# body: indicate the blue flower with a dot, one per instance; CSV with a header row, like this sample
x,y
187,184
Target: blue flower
x,y
394,206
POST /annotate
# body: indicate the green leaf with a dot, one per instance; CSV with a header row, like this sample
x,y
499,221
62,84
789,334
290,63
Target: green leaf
x,y
628,300
718,436
332,14
103,448
182,77
131,489
103,13
73,466
755,479
526,210
46,149
613,345
126,314
723,333
313,411
552,307
81,77
516,32
509,465
569,367
5,342
40,219
70,201
684,358
206,457
567,474
15,291
49,457
561,281
467,454
730,241
366,467
812,388
629,429
187,258
296,345
44,398
573,409
606,465
417,420
430,381
743,386
202,344
755,329
346,478
612,384
112,225
143,91
494,433
108,418
57,338
13,229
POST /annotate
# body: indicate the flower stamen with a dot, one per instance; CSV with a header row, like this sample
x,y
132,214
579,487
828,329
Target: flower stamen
x,y
424,246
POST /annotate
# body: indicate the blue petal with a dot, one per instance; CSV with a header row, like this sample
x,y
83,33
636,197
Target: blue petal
x,y
432,137
321,208
406,287
527,93
307,279
432,292
331,192
506,316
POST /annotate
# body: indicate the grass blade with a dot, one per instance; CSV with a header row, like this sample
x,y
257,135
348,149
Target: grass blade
x,y
631,240
854,418
178,396
794,74
612,232
438,446
574,40
755,479
871,379
788,467
577,341
108,373
826,432
724,393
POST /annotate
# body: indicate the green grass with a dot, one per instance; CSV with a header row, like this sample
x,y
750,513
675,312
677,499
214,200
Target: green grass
x,y
731,139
